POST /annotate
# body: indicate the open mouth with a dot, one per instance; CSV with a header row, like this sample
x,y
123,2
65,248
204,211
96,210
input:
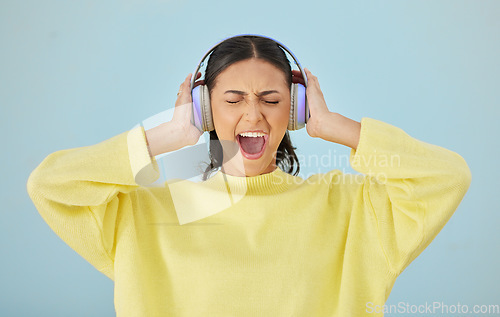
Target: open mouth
x,y
252,144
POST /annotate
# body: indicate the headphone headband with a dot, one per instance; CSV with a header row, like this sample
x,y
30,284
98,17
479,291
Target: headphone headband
x,y
282,46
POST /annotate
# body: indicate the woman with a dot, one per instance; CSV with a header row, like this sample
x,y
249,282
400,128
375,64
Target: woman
x,y
277,245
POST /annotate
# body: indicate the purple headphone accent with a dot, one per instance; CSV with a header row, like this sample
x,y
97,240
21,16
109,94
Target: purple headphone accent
x,y
301,105
196,108
202,112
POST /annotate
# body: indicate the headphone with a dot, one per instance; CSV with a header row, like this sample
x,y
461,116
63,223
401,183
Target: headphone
x,y
202,110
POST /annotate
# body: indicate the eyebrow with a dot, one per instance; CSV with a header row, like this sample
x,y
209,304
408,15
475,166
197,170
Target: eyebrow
x,y
260,94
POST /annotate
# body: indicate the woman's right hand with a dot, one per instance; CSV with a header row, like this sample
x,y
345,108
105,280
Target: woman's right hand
x,y
183,113
178,132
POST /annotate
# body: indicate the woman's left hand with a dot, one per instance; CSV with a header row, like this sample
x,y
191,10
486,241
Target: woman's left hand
x,y
316,101
324,124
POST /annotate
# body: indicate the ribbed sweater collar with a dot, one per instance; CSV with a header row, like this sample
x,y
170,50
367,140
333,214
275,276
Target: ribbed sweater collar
x,y
265,184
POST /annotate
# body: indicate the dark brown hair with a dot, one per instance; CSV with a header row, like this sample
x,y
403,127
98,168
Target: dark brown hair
x,y
237,49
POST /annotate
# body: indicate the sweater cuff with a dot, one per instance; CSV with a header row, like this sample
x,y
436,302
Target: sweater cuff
x,y
378,149
144,167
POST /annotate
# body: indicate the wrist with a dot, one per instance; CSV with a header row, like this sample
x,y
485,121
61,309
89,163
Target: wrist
x,y
157,140
339,129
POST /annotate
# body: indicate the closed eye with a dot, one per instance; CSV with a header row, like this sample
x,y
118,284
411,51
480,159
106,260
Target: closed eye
x,y
268,102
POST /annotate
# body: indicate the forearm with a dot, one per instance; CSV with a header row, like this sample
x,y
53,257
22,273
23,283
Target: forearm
x,y
339,129
160,139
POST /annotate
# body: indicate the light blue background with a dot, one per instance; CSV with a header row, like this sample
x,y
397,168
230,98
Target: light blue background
x,y
74,73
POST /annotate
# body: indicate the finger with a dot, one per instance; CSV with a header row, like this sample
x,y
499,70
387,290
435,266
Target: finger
x,y
184,95
186,81
186,84
309,74
310,77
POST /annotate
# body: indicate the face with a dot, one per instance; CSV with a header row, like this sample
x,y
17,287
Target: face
x,y
250,107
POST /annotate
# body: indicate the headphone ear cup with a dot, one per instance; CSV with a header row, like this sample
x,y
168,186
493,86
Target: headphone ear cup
x,y
197,118
293,108
202,111
302,108
299,110
208,124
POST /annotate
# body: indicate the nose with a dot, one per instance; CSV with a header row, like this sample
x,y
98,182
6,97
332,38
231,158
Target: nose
x,y
253,112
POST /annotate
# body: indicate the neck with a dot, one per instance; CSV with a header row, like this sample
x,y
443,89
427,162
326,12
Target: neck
x,y
236,167
273,182
228,170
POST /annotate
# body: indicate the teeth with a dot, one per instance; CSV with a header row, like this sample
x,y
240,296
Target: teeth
x,y
252,134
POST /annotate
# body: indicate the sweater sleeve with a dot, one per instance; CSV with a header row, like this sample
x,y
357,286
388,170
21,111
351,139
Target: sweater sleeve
x,y
80,192
412,188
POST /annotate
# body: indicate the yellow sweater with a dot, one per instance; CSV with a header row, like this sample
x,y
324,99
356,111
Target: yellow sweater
x,y
276,245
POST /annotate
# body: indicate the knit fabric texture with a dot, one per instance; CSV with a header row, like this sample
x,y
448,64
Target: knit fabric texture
x,y
270,245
